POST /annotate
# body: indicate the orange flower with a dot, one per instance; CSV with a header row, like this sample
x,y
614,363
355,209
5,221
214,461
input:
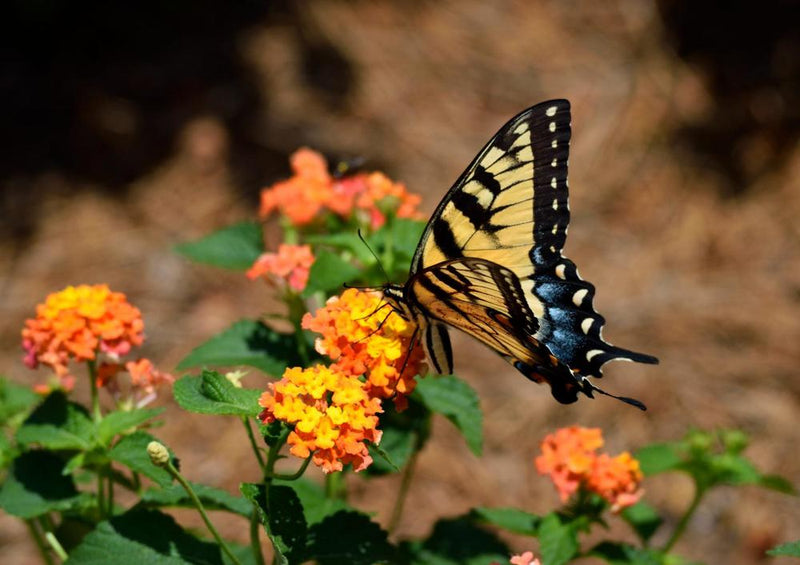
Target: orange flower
x,y
291,263
76,323
569,457
523,559
311,189
300,197
145,379
332,414
616,479
362,338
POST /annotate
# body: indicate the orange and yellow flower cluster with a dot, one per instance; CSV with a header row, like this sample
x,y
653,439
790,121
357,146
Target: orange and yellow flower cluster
x,y
290,265
332,414
76,323
362,338
570,457
312,189
80,322
334,409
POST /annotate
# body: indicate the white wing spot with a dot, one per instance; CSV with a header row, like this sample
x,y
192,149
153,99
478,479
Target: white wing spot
x,y
552,248
586,325
552,126
593,353
560,271
555,229
554,144
521,128
555,203
551,111
554,163
577,298
553,182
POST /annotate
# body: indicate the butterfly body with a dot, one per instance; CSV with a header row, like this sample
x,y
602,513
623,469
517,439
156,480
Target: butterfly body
x,y
489,263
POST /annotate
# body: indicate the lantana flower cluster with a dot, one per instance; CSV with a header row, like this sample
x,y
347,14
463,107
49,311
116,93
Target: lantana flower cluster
x,y
289,266
362,335
78,324
570,457
334,409
332,414
312,190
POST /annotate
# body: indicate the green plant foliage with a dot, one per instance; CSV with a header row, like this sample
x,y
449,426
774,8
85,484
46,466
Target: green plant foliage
x,y
235,247
329,272
57,424
456,401
144,536
349,538
212,498
456,541
36,485
558,539
511,519
281,514
247,342
131,451
791,549
15,403
120,422
212,393
643,518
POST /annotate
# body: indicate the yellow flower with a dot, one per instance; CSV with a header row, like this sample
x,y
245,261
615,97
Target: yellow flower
x,y
333,416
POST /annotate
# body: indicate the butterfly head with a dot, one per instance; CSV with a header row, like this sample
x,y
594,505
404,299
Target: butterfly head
x,y
395,295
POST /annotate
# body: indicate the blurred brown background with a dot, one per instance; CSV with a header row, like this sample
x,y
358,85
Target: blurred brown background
x,y
129,127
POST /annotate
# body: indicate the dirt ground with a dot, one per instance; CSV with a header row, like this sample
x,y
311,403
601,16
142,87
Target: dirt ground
x,y
684,178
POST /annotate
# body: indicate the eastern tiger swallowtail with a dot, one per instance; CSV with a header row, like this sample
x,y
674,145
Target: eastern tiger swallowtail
x,y
489,263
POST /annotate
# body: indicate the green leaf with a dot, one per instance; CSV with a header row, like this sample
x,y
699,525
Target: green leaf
x,y
623,554
791,549
115,423
643,519
403,432
458,402
511,519
455,541
131,451
283,520
212,498
406,235
346,241
775,482
558,541
212,393
143,536
247,342
235,247
57,424
329,272
659,458
316,504
349,538
36,485
15,401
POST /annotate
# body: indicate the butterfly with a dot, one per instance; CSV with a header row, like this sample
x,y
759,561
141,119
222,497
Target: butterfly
x,y
489,263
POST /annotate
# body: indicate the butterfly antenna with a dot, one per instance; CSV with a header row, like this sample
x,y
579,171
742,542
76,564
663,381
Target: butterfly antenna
x,y
380,265
627,400
378,328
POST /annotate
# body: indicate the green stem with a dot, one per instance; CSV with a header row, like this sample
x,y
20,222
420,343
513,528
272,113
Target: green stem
x,y
272,456
335,488
679,529
297,308
402,494
294,476
101,495
54,543
255,539
40,542
110,497
199,505
96,412
251,436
